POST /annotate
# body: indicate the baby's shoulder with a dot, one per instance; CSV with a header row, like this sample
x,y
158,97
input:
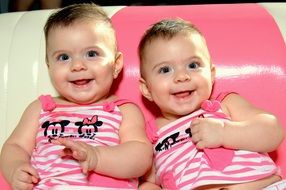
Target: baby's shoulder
x,y
34,105
231,99
33,109
129,106
124,103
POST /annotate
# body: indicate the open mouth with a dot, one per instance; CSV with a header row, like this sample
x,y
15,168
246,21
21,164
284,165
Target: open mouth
x,y
81,82
183,94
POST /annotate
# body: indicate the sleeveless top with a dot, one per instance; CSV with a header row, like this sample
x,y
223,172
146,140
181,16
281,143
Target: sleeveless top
x,y
97,125
180,165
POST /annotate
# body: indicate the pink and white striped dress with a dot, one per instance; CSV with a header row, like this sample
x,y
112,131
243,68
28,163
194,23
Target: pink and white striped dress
x,y
180,165
97,125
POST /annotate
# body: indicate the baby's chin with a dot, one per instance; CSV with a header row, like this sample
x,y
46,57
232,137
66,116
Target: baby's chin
x,y
187,109
81,100
176,114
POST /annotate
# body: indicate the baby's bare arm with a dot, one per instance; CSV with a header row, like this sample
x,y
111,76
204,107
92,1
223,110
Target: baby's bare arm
x,y
130,159
16,151
250,128
133,157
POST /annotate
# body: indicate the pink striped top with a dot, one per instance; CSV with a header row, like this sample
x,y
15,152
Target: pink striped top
x,y
180,165
97,125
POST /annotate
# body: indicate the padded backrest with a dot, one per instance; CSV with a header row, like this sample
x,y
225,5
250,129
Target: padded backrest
x,y
245,41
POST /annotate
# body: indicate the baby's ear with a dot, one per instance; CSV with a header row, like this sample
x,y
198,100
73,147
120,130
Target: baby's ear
x,y
213,73
118,64
144,89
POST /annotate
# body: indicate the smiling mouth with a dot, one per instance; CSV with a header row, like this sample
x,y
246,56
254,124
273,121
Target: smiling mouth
x,y
182,94
81,82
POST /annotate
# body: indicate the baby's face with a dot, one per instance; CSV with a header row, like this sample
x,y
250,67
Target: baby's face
x,y
81,61
178,74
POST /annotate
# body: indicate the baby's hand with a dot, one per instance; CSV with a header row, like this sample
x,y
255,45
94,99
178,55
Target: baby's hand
x,y
24,177
84,153
207,132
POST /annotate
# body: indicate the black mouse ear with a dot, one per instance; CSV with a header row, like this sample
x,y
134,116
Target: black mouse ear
x,y
45,124
64,122
98,123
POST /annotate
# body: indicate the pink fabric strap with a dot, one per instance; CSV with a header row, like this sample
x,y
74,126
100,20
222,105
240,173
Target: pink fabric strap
x,y
120,102
109,106
222,95
220,157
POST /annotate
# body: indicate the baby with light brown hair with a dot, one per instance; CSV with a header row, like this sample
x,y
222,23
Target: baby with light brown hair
x,y
201,142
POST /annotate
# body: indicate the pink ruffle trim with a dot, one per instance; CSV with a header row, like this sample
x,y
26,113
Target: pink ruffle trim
x,y
210,106
47,103
109,107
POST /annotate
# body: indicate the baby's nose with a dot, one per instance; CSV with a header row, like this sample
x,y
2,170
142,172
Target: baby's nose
x,y
78,65
182,76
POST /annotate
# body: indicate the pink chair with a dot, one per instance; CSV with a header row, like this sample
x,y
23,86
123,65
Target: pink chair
x,y
246,44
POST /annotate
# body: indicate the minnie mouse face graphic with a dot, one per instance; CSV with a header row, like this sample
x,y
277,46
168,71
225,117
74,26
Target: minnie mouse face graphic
x,y
88,127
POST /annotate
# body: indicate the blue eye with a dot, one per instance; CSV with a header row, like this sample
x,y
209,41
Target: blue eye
x,y
193,65
92,53
164,69
63,57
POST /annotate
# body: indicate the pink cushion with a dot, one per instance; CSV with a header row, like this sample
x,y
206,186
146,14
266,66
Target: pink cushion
x,y
245,44
3,184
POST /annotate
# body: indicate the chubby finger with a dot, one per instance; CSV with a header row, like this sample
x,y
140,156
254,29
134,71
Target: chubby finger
x,y
84,166
195,121
74,148
70,145
66,152
80,154
35,179
34,175
24,178
31,176
65,142
55,141
200,145
196,138
194,129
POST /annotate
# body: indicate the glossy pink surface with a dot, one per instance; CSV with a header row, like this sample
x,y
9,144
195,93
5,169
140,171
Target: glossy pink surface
x,y
245,45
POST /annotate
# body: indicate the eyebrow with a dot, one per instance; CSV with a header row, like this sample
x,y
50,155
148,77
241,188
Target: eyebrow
x,y
159,64
58,52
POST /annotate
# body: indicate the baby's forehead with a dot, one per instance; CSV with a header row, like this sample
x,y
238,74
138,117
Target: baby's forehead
x,y
194,44
178,40
103,29
82,22
188,35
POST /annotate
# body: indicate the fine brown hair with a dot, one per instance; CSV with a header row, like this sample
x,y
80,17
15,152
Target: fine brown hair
x,y
79,12
166,29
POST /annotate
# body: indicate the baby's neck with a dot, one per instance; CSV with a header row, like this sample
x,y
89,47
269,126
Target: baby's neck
x,y
63,101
